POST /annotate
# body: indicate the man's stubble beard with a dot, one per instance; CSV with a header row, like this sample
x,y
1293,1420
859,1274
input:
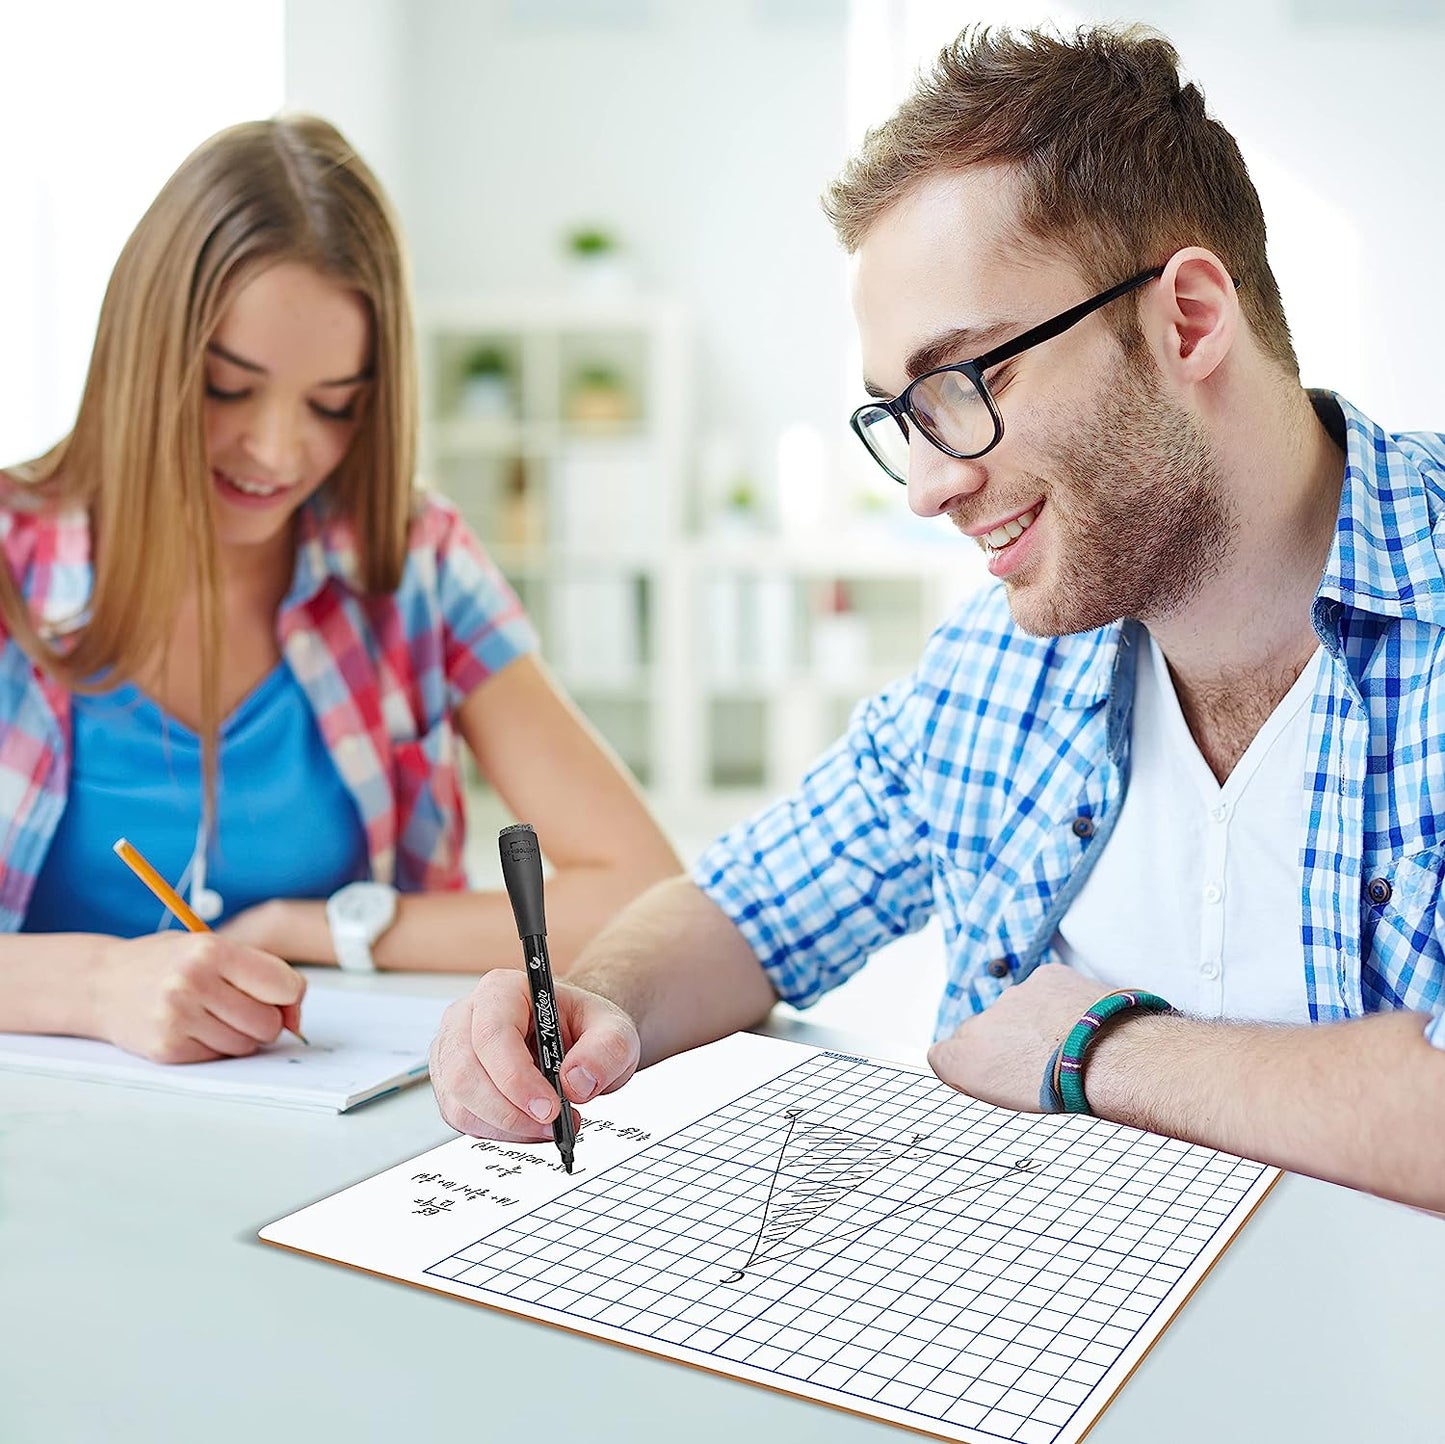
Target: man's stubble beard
x,y
1141,521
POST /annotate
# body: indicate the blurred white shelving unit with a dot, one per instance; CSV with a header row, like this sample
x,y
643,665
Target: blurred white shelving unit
x,y
717,663
559,425
791,633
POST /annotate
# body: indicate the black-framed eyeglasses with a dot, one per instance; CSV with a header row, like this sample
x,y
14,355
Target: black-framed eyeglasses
x,y
952,406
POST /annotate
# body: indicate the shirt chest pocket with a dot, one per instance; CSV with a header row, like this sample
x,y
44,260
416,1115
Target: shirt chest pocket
x,y
1001,915
1400,931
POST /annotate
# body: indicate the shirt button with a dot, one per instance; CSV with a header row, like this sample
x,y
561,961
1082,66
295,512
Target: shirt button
x,y
1213,893
998,968
1379,891
1210,969
1219,811
1083,826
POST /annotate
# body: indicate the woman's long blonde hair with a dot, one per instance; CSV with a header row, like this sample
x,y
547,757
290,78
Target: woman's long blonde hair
x,y
289,189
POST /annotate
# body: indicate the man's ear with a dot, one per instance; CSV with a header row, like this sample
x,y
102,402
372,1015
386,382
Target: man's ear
x,y
1192,316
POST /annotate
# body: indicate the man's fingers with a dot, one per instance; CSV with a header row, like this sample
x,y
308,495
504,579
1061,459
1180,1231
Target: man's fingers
x,y
468,1099
486,1076
507,1061
605,1053
944,1059
465,1121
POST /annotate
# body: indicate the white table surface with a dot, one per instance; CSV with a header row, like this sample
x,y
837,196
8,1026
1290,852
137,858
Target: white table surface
x,y
136,1304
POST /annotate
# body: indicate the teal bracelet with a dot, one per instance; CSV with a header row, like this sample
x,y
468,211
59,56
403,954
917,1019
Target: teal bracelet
x,y
1063,1088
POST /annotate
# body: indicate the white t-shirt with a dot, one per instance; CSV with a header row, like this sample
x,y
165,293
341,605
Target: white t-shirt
x,y
1196,893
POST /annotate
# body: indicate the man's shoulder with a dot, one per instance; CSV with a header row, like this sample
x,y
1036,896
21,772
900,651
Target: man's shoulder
x,y
1425,450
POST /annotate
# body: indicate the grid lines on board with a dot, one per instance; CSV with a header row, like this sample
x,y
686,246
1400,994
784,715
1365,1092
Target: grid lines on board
x,y
866,1230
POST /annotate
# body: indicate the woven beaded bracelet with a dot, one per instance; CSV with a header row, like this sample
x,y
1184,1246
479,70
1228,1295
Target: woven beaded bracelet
x,y
1062,1090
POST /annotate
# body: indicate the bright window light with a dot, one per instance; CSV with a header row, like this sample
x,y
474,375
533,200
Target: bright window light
x,y
101,102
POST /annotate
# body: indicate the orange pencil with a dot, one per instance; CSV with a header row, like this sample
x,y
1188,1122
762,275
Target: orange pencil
x,y
130,855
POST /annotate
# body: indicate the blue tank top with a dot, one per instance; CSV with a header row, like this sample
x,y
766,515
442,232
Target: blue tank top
x,y
286,826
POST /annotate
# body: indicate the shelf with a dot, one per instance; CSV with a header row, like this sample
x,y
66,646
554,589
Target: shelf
x,y
717,663
462,436
546,563
836,556
801,682
638,685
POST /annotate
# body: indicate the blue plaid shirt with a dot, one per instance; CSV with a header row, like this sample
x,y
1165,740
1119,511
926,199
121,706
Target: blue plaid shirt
x,y
982,787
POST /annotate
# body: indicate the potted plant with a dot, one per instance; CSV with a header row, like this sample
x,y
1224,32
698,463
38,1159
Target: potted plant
x,y
597,260
487,383
599,395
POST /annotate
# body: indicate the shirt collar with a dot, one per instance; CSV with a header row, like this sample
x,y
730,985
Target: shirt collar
x,y
1383,559
326,550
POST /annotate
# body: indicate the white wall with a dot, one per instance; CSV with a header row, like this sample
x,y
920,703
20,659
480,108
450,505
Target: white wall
x,y
701,133
99,104
348,60
1337,108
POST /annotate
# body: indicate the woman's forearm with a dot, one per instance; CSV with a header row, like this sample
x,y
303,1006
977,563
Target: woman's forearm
x,y
47,982
456,932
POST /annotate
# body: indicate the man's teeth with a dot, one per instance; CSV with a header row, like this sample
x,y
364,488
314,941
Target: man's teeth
x,y
1001,536
251,488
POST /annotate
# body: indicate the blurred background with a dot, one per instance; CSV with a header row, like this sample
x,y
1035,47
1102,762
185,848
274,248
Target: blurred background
x,y
638,358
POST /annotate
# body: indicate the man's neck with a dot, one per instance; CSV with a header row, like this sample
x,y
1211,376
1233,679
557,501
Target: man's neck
x,y
1252,618
1241,643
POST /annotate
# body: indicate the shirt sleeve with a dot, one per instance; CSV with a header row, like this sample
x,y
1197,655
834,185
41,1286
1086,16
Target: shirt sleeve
x,y
1435,1028
822,879
485,624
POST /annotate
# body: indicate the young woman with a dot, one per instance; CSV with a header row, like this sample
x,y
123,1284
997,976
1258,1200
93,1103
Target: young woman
x,y
233,631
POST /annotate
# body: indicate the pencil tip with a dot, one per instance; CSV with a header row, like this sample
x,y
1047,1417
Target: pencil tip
x,y
302,1036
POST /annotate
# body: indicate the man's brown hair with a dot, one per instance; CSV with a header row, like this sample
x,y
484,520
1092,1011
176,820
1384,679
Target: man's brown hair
x,y
1119,163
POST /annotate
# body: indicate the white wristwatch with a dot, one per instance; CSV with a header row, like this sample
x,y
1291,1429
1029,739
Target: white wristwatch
x,y
358,915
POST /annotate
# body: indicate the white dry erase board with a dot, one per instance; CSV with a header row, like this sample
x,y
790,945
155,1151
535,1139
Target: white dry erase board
x,y
843,1230
361,1046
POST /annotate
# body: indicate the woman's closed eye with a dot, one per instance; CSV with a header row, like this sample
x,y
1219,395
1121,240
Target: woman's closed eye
x,y
340,413
326,413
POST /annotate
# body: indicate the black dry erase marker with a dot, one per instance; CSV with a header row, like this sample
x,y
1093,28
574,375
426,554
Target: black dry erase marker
x,y
522,873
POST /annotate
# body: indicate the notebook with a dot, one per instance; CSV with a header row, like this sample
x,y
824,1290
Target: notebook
x,y
362,1045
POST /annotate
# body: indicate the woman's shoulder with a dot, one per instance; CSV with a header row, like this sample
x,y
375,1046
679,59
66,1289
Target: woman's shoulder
x,y
441,541
437,524
36,536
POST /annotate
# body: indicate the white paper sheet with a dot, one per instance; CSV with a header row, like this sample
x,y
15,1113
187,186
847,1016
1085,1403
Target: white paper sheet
x,y
362,1045
848,1231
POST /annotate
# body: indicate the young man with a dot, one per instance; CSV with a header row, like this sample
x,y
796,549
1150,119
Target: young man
x,y
1190,743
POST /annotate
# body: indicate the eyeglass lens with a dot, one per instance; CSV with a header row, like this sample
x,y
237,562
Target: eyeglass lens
x,y
949,409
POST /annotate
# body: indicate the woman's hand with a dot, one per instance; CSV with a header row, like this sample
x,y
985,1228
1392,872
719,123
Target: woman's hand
x,y
177,997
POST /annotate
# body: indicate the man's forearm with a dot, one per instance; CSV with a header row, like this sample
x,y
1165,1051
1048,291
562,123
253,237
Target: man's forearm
x,y
1360,1103
675,963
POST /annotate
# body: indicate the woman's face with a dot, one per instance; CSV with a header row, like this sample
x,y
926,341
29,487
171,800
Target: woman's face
x,y
286,375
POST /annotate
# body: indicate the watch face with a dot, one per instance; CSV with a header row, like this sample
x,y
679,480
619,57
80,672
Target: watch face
x,y
366,906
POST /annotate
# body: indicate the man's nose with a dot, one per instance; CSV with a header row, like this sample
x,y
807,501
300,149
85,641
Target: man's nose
x,y
937,482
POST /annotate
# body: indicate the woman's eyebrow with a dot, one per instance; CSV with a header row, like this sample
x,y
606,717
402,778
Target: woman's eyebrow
x,y
216,349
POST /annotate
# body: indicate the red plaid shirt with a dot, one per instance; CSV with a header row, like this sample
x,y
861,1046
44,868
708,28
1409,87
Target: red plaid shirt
x,y
384,675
